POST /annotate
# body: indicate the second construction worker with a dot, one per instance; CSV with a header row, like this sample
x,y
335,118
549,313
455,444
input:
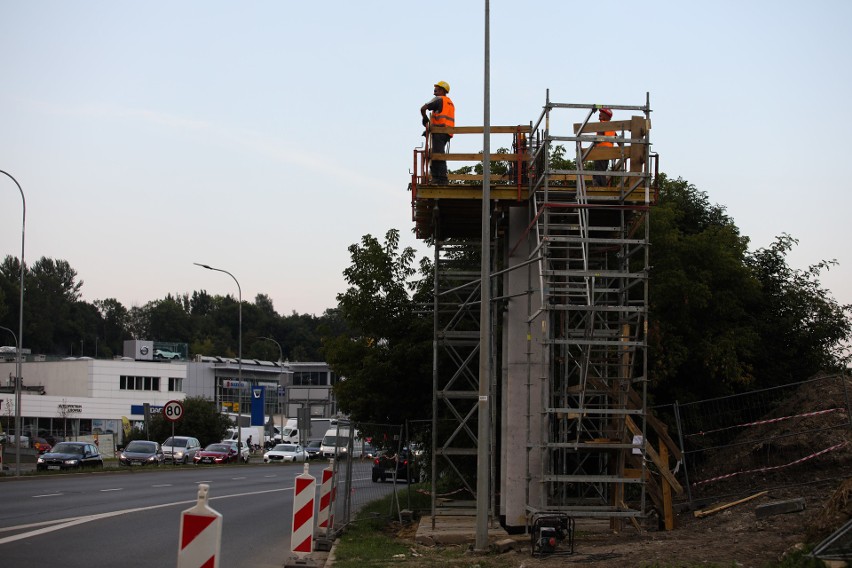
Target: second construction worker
x,y
604,115
443,114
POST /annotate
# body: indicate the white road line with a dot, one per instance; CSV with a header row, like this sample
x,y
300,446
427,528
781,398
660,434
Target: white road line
x,y
113,489
47,495
60,524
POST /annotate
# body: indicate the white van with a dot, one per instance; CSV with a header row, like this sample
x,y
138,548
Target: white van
x,y
336,441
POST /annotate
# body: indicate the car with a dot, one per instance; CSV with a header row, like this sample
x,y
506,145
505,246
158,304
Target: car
x,y
181,449
245,454
70,455
389,465
285,453
165,354
217,453
142,452
313,449
41,445
370,451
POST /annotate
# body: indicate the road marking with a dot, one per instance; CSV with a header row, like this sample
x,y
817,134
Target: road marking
x,y
113,489
60,524
47,495
162,485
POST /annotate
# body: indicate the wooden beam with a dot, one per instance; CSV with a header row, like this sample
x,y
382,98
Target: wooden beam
x,y
603,126
480,129
705,512
655,457
668,512
476,157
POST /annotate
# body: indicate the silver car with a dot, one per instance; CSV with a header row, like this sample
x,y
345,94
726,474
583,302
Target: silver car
x,y
181,449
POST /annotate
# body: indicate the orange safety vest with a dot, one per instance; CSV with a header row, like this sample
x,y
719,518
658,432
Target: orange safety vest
x,y
606,144
447,116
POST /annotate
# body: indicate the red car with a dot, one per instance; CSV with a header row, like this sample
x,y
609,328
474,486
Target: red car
x,y
216,453
42,445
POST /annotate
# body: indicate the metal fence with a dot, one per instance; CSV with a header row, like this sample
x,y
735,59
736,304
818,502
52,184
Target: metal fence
x,y
358,478
789,435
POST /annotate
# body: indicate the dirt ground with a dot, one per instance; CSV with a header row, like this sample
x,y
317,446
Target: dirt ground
x,y
733,536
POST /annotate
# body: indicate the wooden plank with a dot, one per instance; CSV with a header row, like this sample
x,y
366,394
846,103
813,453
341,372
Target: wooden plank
x,y
603,126
500,193
637,151
606,153
480,129
476,157
668,512
706,512
655,457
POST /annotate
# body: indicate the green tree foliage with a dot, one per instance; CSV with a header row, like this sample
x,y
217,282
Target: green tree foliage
x,y
723,320
201,419
384,361
801,326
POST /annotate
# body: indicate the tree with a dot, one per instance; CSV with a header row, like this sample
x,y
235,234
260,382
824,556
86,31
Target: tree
x,y
385,360
201,419
802,328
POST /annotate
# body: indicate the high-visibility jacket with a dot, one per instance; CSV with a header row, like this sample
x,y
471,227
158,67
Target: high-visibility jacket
x,y
447,116
606,144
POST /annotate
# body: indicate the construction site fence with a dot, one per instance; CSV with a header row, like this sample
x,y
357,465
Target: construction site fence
x,y
355,482
764,439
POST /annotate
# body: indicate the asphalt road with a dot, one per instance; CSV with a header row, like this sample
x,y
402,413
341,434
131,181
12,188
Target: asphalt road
x,y
133,518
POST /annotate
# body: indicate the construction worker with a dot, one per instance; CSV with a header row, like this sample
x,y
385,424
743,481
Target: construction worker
x,y
604,115
443,114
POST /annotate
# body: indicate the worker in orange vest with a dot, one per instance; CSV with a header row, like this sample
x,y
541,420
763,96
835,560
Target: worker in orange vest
x,y
604,115
443,114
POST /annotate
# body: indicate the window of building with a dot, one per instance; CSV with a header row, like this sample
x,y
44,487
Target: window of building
x,y
175,384
126,382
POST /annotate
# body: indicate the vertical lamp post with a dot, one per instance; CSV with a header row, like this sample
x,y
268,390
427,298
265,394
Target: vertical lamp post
x,y
280,376
20,338
240,352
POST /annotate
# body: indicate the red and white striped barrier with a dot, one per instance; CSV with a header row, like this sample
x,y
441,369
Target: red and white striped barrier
x,y
200,534
302,535
325,515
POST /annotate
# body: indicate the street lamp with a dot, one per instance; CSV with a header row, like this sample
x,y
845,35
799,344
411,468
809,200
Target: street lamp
x,y
20,338
240,354
280,376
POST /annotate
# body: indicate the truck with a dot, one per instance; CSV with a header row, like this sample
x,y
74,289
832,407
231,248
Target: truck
x,y
257,433
335,443
316,431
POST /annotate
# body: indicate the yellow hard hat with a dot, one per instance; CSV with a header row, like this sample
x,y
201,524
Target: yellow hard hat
x,y
444,85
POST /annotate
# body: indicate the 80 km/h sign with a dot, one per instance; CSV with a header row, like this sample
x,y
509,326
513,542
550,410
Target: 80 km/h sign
x,y
173,410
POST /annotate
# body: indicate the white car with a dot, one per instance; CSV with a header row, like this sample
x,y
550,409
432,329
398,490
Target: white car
x,y
285,453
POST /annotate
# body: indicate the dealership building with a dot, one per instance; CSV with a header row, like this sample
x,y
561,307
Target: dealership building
x,y
83,396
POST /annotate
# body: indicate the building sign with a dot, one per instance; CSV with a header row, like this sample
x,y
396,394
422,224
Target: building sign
x,y
234,384
140,409
70,408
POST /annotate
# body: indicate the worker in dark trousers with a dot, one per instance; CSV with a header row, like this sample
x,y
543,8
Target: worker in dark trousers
x,y
443,114
604,115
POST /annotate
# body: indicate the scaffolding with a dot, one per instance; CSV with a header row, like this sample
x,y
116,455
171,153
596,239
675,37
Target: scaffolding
x,y
569,293
590,235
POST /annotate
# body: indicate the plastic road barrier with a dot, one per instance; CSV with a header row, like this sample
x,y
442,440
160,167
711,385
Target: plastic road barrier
x,y
200,534
302,535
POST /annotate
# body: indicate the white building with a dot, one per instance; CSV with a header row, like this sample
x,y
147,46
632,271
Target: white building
x,y
78,397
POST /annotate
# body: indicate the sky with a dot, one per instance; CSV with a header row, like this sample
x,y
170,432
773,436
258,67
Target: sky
x,y
266,137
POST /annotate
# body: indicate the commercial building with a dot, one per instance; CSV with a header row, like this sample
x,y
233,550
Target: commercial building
x,y
84,396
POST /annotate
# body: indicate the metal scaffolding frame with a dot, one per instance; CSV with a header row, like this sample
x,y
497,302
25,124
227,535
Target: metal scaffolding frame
x,y
583,257
592,242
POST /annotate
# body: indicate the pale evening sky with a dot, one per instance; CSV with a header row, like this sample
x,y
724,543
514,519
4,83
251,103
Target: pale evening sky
x,y
265,137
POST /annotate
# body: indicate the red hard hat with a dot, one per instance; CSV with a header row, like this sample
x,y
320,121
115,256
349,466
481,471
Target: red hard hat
x,y
607,111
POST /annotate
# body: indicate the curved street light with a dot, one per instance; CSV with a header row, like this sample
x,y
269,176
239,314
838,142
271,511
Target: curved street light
x,y
20,337
240,351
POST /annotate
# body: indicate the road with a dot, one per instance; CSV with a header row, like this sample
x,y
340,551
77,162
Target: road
x,y
133,518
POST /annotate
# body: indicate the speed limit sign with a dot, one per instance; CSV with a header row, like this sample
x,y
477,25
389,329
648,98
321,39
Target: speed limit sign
x,y
173,410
